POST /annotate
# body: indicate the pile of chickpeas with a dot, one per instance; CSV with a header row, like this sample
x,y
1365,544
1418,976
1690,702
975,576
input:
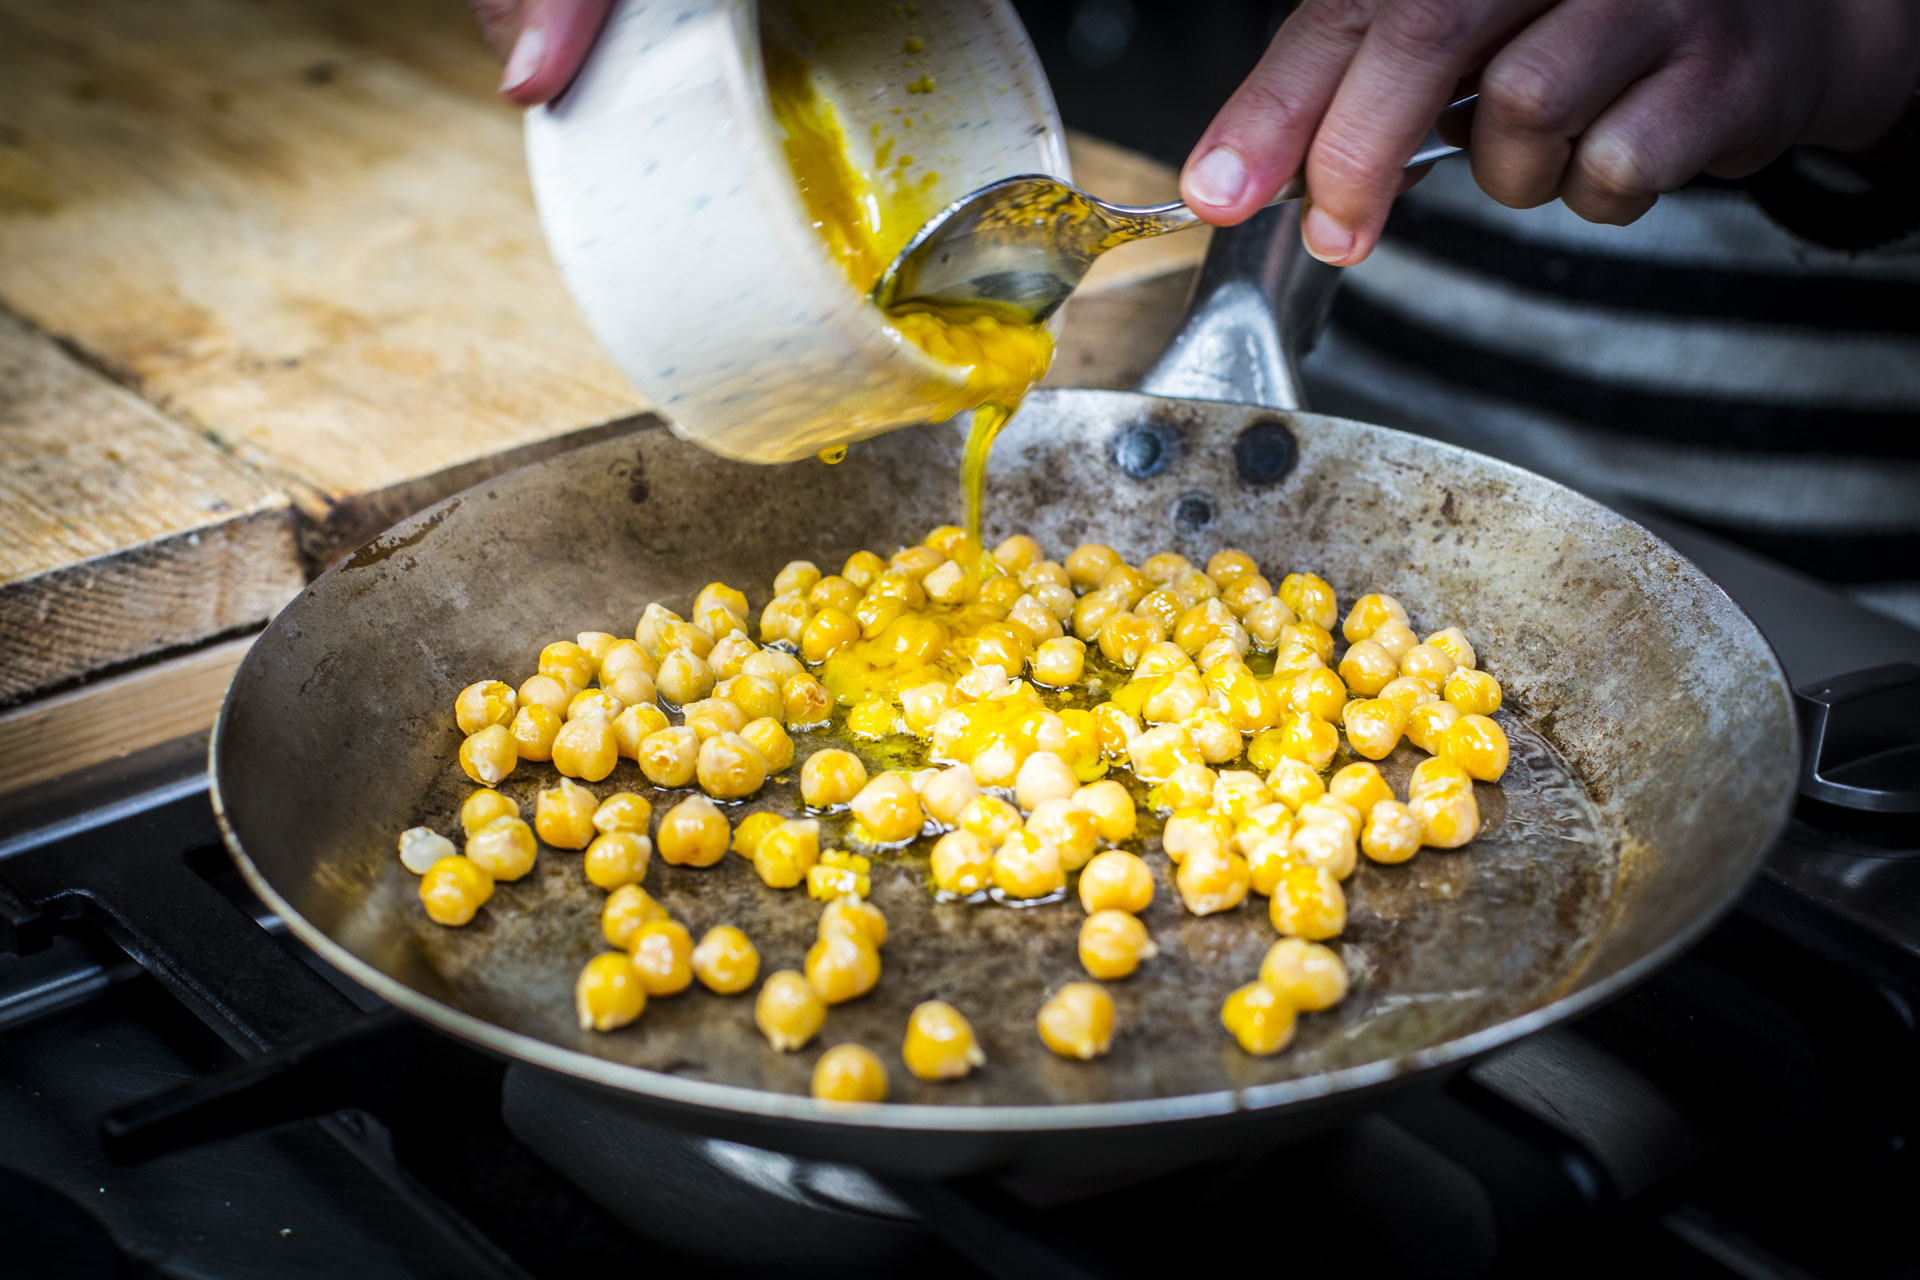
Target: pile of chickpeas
x,y
1028,682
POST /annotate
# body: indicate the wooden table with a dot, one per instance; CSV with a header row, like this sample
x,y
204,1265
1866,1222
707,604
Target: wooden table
x,y
270,279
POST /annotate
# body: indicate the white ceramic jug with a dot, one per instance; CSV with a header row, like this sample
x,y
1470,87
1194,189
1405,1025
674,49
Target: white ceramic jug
x,y
672,211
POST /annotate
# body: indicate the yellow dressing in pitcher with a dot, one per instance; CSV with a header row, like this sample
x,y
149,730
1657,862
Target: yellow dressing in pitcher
x,y
865,222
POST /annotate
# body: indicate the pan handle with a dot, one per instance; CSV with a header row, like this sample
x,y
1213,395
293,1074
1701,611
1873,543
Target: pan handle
x,y
1261,299
1257,306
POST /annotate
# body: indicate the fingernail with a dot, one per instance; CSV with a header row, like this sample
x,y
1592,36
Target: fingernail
x,y
524,61
1326,239
1217,178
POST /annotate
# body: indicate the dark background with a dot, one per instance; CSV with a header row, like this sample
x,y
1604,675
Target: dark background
x,y
1148,76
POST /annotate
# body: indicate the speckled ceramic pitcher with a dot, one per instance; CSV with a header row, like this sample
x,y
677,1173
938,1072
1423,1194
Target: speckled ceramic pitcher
x,y
672,212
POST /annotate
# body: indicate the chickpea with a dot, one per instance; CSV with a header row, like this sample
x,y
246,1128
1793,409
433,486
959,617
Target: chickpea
x,y
1367,668
997,764
454,889
1212,881
1428,663
662,953
545,691
624,657
632,726
1116,881
1407,693
1307,902
862,568
857,916
1453,642
1266,619
826,633
710,716
831,778
1087,564
842,966
1156,753
1026,867
788,1011
670,757
1072,831
1327,845
1043,776
504,849
784,619
1195,831
1190,786
991,818
787,853
693,833
626,909
483,806
1374,726
1228,566
1474,692
566,661
647,632
1479,745
768,737
491,754
1448,819
1114,816
1392,834
608,994
1427,725
751,830
924,704
618,858
593,704
962,864
1309,596
484,704
623,811
684,677
729,659
1017,553
729,768
1113,943
1396,638
585,748
725,961
807,702
1361,786
1294,783
849,1073
1077,1021
685,637
1259,1018
1059,662
888,810
940,1044
947,794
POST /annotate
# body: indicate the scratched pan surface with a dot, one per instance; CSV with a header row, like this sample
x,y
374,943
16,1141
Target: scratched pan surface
x,y
1653,752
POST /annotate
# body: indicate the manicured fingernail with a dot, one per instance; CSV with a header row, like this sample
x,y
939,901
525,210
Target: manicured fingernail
x,y
1217,178
524,61
1326,239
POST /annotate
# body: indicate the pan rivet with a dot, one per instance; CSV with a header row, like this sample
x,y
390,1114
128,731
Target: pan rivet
x,y
1265,452
1142,450
1193,512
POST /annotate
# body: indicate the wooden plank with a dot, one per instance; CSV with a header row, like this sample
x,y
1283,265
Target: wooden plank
x,y
326,259
121,534
69,731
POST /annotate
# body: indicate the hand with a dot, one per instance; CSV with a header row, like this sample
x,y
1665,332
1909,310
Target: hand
x,y
543,42
1603,103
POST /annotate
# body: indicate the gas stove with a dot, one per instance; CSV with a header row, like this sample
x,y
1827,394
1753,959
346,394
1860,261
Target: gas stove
x,y
184,1091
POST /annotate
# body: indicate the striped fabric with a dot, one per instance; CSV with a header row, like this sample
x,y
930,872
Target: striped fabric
x,y
1703,362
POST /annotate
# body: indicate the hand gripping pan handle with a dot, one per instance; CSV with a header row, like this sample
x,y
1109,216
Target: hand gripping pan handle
x,y
1260,299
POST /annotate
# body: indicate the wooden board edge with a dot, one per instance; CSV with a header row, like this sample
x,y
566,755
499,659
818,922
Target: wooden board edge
x,y
115,717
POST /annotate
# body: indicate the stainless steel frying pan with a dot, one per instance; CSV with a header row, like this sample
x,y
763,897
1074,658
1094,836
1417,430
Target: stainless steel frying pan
x,y
1654,756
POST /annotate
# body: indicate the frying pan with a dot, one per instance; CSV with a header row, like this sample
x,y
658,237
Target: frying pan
x,y
1654,753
